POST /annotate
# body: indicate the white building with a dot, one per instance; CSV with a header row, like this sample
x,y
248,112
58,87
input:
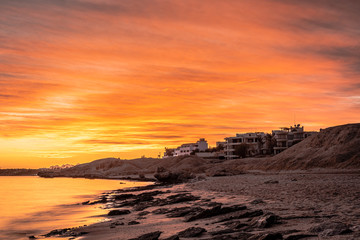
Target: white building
x,y
188,148
287,137
255,143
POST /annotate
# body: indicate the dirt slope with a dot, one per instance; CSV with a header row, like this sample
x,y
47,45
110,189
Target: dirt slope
x,y
116,167
334,147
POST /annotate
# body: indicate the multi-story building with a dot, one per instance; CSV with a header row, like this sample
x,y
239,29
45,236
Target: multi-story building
x,y
287,137
188,148
255,144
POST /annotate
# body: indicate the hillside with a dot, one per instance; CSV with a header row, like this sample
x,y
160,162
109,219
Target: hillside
x,y
334,147
114,167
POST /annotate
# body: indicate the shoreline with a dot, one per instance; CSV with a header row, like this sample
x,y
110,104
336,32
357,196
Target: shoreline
x,y
295,205
96,176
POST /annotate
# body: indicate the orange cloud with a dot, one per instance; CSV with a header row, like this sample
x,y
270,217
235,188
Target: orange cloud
x,y
85,79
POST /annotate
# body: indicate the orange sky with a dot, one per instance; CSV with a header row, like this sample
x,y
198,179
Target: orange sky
x,y
86,79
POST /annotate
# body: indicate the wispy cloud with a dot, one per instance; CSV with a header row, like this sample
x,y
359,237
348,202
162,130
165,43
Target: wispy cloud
x,y
130,77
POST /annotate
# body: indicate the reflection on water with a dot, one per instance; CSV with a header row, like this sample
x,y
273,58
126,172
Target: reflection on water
x,y
33,205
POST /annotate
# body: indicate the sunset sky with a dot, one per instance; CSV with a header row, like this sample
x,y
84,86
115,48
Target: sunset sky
x,y
87,79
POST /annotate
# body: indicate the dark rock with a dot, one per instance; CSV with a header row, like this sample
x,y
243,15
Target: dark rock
x,y
118,212
180,212
240,215
204,213
32,237
142,206
267,236
137,189
236,225
103,199
124,196
133,223
257,201
271,182
289,231
114,224
182,197
238,236
217,210
161,211
57,232
232,227
174,237
64,232
331,229
233,208
224,237
265,221
148,236
145,200
272,236
223,231
146,194
142,198
191,232
140,201
213,204
143,213
300,236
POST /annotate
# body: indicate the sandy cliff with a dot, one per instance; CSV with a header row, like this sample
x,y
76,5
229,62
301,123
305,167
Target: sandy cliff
x,y
334,147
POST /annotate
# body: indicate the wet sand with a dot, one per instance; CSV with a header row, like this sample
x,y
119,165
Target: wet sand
x,y
290,205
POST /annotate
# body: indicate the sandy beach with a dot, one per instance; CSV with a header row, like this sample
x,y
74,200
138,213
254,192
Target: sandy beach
x,y
256,205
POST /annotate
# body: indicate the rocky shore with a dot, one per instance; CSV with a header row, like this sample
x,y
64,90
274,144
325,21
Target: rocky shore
x,y
289,205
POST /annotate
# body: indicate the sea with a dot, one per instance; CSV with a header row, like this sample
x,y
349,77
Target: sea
x,y
33,206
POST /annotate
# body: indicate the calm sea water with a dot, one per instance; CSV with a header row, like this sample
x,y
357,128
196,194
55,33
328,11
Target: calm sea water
x,y
32,205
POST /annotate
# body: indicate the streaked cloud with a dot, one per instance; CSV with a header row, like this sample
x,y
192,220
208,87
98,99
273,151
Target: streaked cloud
x,y
83,79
